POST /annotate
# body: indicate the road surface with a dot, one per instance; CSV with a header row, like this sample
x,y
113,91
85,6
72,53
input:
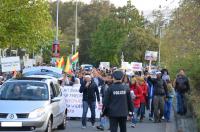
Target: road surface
x,y
146,126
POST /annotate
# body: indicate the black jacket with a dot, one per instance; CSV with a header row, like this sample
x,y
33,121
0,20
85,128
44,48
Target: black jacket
x,y
182,84
160,86
118,101
90,93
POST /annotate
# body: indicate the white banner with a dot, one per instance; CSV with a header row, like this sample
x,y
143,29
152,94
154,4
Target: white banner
x,y
125,65
28,63
136,66
10,64
151,55
104,65
73,99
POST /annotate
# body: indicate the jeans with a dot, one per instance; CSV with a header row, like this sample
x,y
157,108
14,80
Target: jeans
x,y
167,109
104,122
142,110
151,108
118,121
87,105
181,103
134,118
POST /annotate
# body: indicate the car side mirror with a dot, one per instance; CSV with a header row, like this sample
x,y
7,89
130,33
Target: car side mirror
x,y
56,99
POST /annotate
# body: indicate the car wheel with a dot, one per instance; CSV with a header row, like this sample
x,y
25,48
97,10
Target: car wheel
x,y
49,126
64,123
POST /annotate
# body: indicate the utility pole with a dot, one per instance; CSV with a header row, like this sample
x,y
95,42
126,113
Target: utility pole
x,y
57,13
76,27
160,34
56,43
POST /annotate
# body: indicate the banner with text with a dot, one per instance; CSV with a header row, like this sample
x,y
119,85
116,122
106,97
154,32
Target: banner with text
x,y
73,99
136,66
9,64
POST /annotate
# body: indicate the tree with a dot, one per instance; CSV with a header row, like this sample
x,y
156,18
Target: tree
x,y
25,24
107,41
139,40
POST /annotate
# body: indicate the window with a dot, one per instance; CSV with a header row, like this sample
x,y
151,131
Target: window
x,y
24,91
52,90
57,90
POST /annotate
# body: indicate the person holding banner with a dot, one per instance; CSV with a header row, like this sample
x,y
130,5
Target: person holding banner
x,y
90,92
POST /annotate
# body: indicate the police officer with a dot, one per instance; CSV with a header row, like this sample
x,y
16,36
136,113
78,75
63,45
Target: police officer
x,y
118,103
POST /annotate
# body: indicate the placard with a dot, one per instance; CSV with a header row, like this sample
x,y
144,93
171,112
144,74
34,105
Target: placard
x,y
104,65
136,66
73,100
9,64
151,55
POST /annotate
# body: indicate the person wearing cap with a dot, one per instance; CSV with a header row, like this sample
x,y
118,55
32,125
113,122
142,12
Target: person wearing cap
x,y
118,103
90,93
160,92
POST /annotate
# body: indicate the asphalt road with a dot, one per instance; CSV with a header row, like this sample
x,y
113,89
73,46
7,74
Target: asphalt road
x,y
146,126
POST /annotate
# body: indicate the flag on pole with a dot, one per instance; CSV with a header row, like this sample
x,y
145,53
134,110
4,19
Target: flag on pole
x,y
61,63
68,67
74,58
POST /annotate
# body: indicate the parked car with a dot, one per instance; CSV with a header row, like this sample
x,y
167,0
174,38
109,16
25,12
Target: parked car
x,y
87,67
32,104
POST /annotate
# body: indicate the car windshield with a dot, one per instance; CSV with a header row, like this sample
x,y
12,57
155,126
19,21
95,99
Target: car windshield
x,y
51,74
24,91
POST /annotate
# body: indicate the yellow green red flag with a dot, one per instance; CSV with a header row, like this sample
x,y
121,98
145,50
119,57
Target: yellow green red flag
x,y
61,62
74,58
68,67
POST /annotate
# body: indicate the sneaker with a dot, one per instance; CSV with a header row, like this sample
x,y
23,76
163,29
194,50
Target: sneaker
x,y
93,125
83,127
150,118
100,128
133,125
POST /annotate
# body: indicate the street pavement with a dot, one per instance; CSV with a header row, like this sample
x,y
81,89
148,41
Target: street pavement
x,y
146,126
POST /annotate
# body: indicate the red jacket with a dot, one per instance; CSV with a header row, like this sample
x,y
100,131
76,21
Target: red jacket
x,y
138,93
144,92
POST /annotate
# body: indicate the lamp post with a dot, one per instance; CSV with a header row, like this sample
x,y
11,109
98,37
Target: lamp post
x,y
56,43
76,27
160,34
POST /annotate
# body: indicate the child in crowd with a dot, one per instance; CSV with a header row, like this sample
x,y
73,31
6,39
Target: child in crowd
x,y
169,100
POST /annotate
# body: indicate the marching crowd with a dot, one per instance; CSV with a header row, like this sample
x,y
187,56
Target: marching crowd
x,y
127,97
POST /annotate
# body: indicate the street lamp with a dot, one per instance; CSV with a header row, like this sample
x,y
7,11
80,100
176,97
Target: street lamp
x,y
76,28
56,43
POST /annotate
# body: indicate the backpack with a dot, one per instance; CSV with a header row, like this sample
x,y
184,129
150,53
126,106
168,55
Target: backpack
x,y
181,84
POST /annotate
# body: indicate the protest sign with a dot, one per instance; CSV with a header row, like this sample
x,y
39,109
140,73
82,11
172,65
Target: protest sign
x,y
151,55
73,100
136,66
104,65
9,64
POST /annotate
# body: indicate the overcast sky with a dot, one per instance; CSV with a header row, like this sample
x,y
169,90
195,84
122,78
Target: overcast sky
x,y
147,6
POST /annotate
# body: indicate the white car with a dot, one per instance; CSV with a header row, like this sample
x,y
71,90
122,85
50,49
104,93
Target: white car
x,y
32,104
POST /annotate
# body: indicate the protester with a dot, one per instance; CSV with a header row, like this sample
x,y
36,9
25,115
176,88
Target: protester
x,y
118,103
135,87
143,102
160,92
169,100
90,92
182,87
104,88
126,80
165,75
150,96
